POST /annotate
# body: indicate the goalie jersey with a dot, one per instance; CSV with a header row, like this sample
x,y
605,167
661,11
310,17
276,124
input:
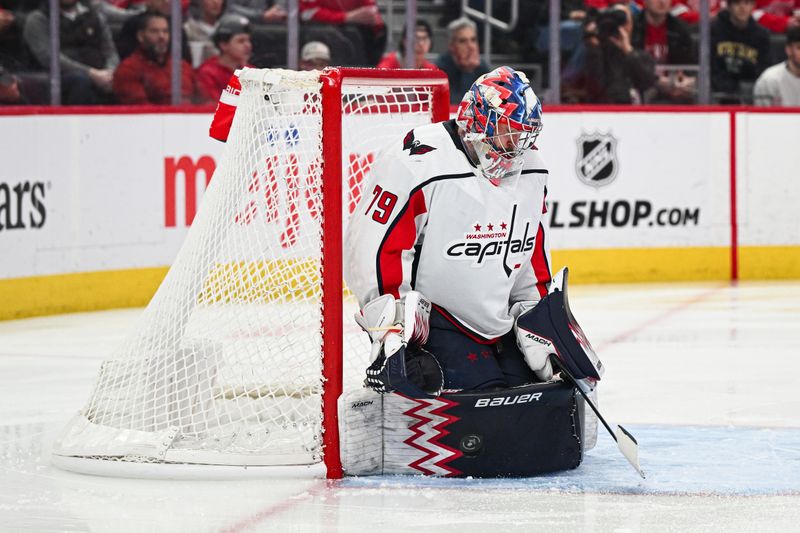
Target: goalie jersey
x,y
427,221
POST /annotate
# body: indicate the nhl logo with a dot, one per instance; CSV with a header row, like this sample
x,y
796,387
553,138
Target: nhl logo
x,y
597,163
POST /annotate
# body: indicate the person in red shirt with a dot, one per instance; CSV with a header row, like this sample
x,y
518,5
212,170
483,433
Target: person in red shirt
x,y
144,77
777,15
232,39
422,45
668,41
362,14
774,15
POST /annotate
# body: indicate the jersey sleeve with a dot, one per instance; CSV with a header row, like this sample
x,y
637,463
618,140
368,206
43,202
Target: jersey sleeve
x,y
320,11
383,230
533,281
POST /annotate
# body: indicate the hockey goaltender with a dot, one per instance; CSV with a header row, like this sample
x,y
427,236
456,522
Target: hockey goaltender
x,y
448,254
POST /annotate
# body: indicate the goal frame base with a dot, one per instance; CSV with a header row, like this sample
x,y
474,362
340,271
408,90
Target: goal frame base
x,y
184,471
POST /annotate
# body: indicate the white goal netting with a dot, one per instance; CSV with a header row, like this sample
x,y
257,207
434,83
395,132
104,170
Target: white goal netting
x,y
225,366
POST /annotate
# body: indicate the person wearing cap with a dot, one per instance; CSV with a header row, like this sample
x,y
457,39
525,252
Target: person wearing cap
x,y
232,39
315,56
422,45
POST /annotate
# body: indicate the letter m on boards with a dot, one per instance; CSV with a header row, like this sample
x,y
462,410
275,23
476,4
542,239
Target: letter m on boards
x,y
189,169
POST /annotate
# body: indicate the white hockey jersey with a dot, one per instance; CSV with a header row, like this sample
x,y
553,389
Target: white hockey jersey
x,y
427,221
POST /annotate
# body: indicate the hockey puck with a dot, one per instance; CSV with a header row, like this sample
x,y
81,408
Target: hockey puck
x,y
471,444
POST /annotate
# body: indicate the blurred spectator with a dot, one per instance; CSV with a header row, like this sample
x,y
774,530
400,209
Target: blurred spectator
x,y
740,52
27,77
689,10
462,62
779,85
774,15
662,35
614,72
232,39
777,15
314,56
117,12
200,26
12,22
422,45
363,15
260,11
10,93
127,40
145,77
88,56
573,13
668,41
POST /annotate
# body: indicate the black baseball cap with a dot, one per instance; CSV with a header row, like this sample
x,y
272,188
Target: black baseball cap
x,y
228,26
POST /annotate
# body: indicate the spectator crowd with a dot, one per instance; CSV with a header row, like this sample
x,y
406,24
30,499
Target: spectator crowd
x,y
613,52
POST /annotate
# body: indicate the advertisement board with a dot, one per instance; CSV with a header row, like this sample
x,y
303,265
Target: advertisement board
x,y
94,207
768,194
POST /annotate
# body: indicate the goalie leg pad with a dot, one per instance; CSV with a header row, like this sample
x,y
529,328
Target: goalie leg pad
x,y
518,432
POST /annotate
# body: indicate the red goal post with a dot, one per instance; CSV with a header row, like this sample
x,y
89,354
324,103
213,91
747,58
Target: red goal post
x,y
333,80
240,358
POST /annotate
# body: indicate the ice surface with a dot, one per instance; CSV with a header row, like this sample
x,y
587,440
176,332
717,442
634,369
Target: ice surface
x,y
702,374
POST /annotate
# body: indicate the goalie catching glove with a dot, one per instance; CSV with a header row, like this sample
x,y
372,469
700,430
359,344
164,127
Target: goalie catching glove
x,y
548,328
397,362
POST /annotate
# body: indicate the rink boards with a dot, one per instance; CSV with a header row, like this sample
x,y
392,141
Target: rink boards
x,y
94,207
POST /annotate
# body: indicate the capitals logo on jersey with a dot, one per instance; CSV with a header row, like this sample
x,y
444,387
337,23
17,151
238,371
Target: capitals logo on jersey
x,y
488,240
414,146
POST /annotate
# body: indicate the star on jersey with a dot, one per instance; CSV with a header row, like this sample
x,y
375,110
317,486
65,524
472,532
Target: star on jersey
x,y
414,146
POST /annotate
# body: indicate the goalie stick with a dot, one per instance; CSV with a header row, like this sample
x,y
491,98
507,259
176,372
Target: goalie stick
x,y
551,323
625,441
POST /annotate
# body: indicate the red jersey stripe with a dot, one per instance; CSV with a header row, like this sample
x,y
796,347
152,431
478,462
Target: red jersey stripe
x,y
401,236
541,267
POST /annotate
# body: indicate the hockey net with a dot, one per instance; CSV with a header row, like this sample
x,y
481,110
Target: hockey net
x,y
241,354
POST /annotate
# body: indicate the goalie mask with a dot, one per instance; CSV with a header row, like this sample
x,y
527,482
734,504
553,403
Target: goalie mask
x,y
501,118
